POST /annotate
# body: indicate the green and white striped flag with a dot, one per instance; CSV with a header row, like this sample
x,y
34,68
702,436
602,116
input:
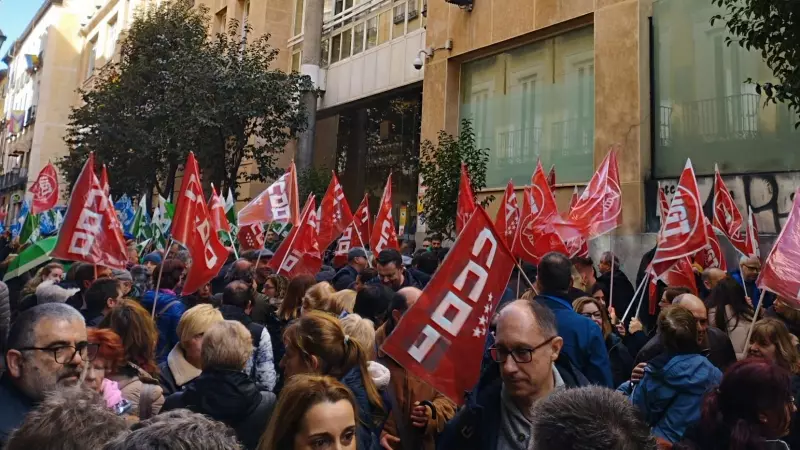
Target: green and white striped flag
x,y
139,229
30,229
230,210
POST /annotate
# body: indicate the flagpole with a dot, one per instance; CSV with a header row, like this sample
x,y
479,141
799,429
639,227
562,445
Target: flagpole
x,y
635,295
158,282
755,319
611,285
519,267
355,227
233,245
519,279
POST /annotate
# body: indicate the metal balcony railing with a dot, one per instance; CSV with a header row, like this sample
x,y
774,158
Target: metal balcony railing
x,y
734,117
573,137
518,146
14,178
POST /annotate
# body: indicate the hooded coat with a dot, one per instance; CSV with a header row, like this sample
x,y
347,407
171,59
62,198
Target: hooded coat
x,y
168,313
370,421
671,393
230,397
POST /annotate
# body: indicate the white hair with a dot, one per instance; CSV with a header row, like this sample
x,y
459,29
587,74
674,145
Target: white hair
x,y
50,292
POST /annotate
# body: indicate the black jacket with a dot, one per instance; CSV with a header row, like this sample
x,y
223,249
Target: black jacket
x,y
720,352
475,426
623,290
620,358
344,278
231,398
14,406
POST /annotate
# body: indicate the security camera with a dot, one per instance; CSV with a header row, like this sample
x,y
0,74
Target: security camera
x,y
417,63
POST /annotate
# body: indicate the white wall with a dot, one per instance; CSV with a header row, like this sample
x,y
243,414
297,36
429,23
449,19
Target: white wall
x,y
371,72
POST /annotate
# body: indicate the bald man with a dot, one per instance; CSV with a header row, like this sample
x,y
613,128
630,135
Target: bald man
x,y
419,412
712,276
716,345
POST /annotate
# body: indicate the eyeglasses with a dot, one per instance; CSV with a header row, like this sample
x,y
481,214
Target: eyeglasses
x,y
65,353
519,355
594,315
753,268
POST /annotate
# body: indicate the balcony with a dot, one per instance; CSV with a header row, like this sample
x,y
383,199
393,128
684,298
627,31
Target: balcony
x,y
573,140
13,179
516,147
721,119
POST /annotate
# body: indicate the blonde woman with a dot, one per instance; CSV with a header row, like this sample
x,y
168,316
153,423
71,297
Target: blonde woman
x,y
320,297
183,362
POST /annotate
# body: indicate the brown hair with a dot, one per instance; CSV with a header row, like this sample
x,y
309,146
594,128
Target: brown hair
x,y
320,334
678,330
321,297
138,332
110,350
673,291
578,305
293,299
281,283
773,331
171,273
301,393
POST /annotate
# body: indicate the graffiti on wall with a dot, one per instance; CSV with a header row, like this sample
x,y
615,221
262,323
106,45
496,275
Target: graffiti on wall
x,y
770,196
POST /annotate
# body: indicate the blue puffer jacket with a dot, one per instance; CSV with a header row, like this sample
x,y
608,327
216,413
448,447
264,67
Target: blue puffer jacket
x,y
370,421
671,392
166,319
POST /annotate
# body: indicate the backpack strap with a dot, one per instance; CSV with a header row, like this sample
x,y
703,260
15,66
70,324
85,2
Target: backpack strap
x,y
147,397
166,308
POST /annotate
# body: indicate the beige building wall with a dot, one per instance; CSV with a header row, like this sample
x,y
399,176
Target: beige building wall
x,y
621,82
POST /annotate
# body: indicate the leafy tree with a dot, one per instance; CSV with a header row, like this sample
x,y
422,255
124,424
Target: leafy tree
x,y
440,169
772,28
313,181
176,90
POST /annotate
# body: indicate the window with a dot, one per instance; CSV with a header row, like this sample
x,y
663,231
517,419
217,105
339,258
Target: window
x,y
336,46
534,101
298,16
245,17
296,61
112,34
703,107
92,59
358,38
384,26
399,20
324,53
221,21
413,15
372,32
347,37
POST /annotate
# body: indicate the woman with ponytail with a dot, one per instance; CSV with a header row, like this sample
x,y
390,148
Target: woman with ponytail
x,y
317,344
751,409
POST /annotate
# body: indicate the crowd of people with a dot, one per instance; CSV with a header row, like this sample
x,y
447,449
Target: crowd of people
x,y
95,358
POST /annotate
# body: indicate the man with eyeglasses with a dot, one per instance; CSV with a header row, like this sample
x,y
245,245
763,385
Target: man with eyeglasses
x,y
746,276
47,349
528,367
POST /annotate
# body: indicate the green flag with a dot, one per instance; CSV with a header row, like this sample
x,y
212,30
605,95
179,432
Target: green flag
x,y
139,227
30,229
230,210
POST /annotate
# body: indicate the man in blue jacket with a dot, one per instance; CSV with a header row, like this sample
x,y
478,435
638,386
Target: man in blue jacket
x,y
346,276
746,276
527,367
583,341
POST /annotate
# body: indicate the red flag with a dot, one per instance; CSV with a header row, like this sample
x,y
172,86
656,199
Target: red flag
x,y
751,236
216,211
440,339
727,218
89,233
573,200
299,253
536,236
104,180
684,231
192,227
652,291
383,233
507,219
663,205
466,202
781,271
353,235
680,274
599,208
576,246
335,213
711,256
251,237
551,177
45,190
278,203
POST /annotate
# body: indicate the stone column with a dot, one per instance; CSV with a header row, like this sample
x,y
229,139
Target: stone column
x,y
311,58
